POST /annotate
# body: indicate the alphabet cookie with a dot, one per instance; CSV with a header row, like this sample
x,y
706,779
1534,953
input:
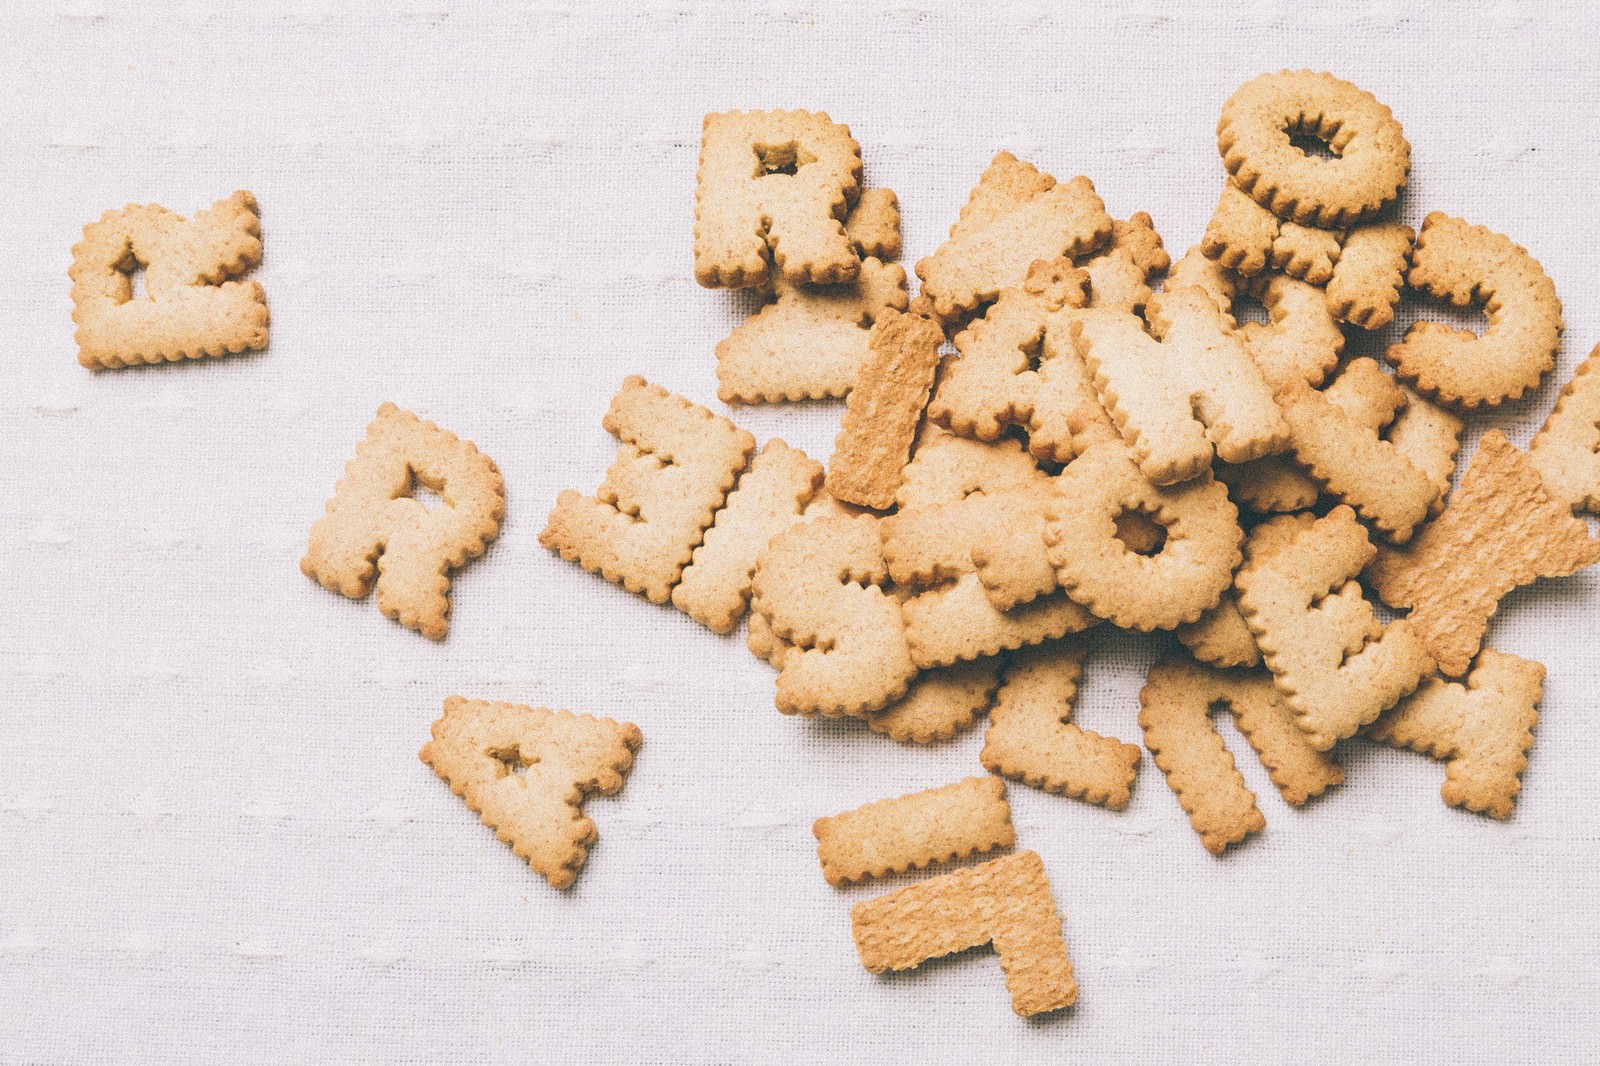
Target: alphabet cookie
x,y
881,416
817,584
1247,239
1222,637
1482,727
1031,737
675,463
1366,281
526,771
1186,384
1501,530
1566,450
194,305
1185,578
374,532
1371,154
1468,265
1005,902
773,190
913,832
770,497
1336,665
1015,216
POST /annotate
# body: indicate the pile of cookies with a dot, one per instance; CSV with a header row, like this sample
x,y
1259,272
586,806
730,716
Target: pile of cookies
x,y
1110,443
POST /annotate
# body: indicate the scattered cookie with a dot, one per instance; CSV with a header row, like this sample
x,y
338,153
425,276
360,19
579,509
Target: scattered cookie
x,y
1005,902
1031,737
1182,580
1566,450
774,185
1371,156
1469,265
194,305
873,224
526,771
1247,239
1338,667
810,342
881,416
1186,384
1482,727
1019,365
373,531
1501,530
947,468
1365,285
912,832
1221,637
1430,437
675,465
817,584
940,703
1015,216
770,497
958,622
1340,448
1175,714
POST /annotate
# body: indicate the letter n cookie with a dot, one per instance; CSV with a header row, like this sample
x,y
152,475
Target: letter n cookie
x,y
526,770
1483,727
674,468
773,191
374,528
193,306
1005,902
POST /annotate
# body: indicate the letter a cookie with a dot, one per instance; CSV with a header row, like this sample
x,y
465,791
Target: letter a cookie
x,y
674,468
1482,727
776,183
194,305
374,528
1005,902
526,770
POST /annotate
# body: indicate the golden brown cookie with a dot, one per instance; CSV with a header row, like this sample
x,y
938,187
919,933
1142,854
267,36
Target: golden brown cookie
x,y
1246,238
773,190
526,771
1338,667
1500,530
1371,156
1221,637
1482,727
374,531
1365,284
1185,578
817,586
675,463
1566,450
912,832
194,305
1005,902
884,409
1015,216
1031,737
1469,265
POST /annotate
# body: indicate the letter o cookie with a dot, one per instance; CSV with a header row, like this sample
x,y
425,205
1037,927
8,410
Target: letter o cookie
x,y
1177,584
1373,155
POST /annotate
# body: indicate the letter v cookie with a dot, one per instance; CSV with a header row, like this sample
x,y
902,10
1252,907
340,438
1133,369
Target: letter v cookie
x,y
1501,530
1337,666
1482,727
193,307
674,467
778,185
373,528
526,771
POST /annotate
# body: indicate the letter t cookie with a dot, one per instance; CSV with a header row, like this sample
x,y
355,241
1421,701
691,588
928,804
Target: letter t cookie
x,y
193,305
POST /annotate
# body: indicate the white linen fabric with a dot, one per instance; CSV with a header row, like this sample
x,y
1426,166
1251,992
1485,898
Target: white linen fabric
x,y
216,841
